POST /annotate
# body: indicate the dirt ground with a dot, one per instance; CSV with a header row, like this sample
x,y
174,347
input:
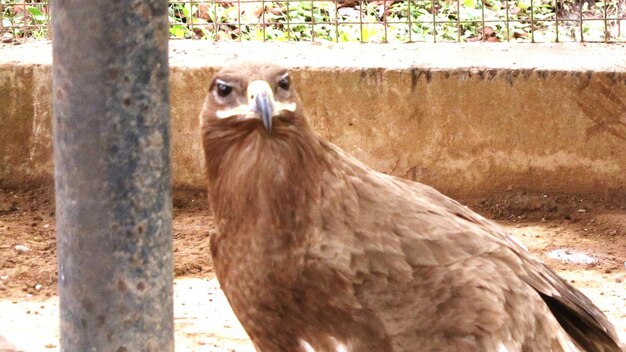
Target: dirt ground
x,y
584,239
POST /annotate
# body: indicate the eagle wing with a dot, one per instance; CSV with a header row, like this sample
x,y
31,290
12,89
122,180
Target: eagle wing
x,y
409,250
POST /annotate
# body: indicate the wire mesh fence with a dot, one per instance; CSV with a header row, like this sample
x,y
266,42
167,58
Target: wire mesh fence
x,y
377,21
22,19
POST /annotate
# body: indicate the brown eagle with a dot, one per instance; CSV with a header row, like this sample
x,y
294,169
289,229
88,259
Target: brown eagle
x,y
317,252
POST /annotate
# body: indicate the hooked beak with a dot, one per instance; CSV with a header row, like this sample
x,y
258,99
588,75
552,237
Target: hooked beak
x,y
261,102
261,105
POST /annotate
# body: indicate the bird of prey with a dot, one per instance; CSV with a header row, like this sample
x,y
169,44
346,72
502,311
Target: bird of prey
x,y
317,252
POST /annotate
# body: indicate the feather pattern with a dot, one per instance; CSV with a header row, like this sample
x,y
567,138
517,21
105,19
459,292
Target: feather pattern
x,y
317,252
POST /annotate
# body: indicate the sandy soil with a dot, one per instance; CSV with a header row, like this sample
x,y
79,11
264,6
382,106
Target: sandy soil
x,y
559,229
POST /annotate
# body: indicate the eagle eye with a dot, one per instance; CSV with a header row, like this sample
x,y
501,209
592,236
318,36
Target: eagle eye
x,y
285,83
223,90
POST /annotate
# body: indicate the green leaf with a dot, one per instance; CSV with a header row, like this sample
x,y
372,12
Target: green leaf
x,y
186,10
37,15
178,31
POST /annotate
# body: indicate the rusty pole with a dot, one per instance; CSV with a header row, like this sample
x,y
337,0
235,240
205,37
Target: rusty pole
x,y
112,175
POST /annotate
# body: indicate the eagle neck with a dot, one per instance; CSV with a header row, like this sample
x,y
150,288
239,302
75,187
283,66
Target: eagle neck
x,y
265,185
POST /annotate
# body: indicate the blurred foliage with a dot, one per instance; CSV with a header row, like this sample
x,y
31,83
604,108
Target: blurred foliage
x,y
24,19
367,21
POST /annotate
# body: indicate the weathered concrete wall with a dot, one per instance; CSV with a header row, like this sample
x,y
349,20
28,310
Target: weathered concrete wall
x,y
25,123
467,119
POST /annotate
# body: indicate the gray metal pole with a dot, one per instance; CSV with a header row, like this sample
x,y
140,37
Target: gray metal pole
x,y
112,175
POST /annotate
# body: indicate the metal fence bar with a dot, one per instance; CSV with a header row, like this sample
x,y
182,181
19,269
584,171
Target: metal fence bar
x,y
361,20
434,13
385,21
482,20
429,20
312,24
193,33
263,23
508,22
336,21
24,11
1,20
532,21
409,16
619,23
450,22
216,21
580,20
458,20
239,36
607,34
112,175
556,21
49,22
287,18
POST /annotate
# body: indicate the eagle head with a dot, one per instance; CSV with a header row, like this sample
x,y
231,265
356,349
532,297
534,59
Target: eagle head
x,y
251,95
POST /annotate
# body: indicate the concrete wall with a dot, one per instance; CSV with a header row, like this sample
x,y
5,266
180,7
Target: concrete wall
x,y
468,119
25,123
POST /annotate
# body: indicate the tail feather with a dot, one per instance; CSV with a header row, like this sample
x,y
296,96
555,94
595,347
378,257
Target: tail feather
x,y
587,332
